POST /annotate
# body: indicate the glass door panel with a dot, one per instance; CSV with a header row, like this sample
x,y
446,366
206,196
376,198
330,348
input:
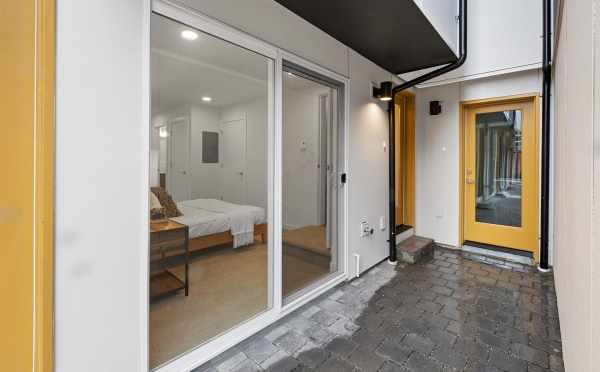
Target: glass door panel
x,y
498,164
310,195
210,259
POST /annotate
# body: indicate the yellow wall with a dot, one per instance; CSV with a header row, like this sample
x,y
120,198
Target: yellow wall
x,y
26,96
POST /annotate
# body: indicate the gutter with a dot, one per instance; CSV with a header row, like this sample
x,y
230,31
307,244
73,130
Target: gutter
x,y
546,94
462,34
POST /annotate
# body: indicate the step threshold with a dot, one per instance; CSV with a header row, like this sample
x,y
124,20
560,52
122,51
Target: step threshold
x,y
513,255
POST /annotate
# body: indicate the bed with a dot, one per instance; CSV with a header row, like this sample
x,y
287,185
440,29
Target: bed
x,y
213,222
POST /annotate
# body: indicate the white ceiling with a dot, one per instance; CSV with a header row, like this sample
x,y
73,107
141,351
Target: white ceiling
x,y
183,71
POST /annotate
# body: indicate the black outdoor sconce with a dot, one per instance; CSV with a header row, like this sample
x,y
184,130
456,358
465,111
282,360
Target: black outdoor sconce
x,y
384,92
435,108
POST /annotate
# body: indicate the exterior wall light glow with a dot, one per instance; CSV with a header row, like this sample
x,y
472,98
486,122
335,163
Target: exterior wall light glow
x,y
206,99
384,92
163,132
189,35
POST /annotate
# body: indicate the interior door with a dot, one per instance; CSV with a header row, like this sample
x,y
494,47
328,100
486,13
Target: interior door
x,y
233,163
179,184
501,175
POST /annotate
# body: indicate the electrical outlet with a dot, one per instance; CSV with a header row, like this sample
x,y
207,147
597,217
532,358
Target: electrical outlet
x,y
382,224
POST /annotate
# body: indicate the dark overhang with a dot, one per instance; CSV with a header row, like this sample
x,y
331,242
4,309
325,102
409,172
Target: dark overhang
x,y
394,34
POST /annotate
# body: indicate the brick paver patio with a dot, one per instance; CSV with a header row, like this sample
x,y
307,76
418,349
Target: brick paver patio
x,y
458,312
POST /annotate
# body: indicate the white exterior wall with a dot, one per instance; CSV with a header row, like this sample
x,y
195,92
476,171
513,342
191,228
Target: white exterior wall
x,y
368,165
441,14
437,148
577,182
503,36
102,141
101,215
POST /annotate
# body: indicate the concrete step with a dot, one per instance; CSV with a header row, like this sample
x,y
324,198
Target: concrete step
x,y
415,249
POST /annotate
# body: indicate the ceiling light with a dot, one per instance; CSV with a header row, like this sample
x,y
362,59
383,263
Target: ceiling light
x,y
384,92
189,35
206,99
290,74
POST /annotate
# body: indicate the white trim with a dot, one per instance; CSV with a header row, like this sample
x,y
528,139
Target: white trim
x,y
313,67
203,353
278,186
193,18
533,66
312,294
145,186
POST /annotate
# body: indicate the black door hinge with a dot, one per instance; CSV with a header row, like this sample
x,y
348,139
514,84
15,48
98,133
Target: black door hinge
x,y
344,178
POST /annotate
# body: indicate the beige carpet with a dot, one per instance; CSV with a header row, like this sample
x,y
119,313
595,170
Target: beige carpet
x,y
227,286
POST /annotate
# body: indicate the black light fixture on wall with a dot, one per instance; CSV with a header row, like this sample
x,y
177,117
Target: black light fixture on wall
x,y
384,92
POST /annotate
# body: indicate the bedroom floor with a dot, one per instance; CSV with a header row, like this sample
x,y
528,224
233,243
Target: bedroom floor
x,y
227,287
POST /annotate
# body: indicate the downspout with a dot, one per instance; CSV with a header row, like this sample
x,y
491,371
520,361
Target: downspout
x,y
462,35
546,92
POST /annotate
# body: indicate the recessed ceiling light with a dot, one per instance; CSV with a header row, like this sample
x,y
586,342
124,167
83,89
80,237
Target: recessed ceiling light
x,y
189,35
206,99
290,74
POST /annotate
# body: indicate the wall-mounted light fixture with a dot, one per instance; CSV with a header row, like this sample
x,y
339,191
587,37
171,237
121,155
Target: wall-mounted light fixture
x,y
435,108
384,92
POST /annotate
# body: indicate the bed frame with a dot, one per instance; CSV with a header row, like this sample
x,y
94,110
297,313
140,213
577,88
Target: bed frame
x,y
214,240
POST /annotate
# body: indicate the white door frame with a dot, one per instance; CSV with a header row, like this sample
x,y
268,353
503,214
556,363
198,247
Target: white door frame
x,y
214,347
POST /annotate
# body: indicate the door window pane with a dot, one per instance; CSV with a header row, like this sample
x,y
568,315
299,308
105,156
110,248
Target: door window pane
x,y
498,167
209,138
310,174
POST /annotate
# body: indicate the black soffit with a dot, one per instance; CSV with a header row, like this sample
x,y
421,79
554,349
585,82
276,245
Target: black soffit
x,y
394,34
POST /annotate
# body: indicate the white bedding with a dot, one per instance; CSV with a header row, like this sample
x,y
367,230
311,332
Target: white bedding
x,y
212,216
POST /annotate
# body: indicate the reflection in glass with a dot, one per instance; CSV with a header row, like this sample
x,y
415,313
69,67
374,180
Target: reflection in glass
x,y
498,173
209,175
310,194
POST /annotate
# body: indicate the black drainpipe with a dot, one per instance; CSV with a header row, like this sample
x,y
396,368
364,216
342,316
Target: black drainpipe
x,y
545,191
462,35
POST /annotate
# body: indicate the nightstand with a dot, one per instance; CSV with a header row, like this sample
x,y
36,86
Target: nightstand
x,y
168,238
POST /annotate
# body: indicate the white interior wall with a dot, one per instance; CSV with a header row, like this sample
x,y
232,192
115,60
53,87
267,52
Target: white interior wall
x,y
437,148
204,177
300,157
255,113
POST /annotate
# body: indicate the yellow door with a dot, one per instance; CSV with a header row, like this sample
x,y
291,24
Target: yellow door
x,y
405,158
501,175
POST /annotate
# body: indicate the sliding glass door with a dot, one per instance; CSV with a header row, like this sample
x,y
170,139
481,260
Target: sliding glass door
x,y
211,265
310,178
245,193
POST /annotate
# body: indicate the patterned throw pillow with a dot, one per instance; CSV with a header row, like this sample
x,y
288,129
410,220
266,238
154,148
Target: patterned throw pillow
x,y
168,205
157,211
